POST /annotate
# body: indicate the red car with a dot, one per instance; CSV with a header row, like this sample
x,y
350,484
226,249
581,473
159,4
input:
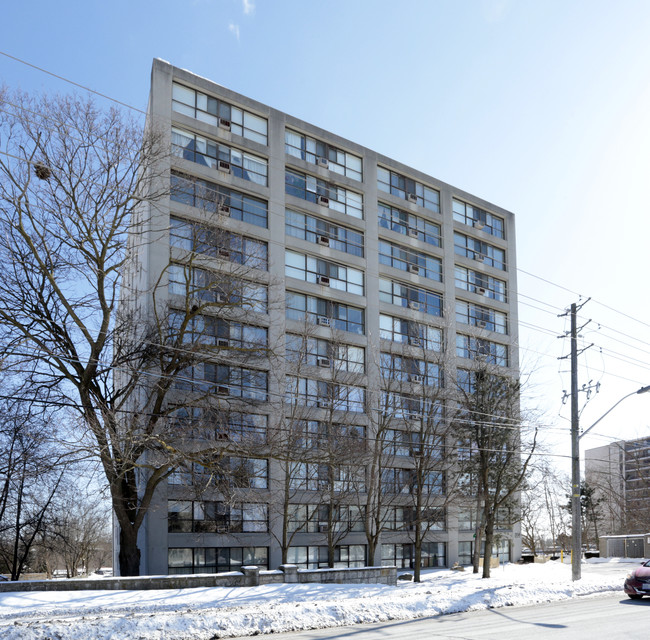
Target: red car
x,y
637,583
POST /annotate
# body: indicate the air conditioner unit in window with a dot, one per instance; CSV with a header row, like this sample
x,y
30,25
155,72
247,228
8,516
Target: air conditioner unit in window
x,y
223,166
415,342
324,280
324,321
479,257
324,201
481,290
411,197
223,391
221,528
412,416
324,240
413,268
221,298
414,305
223,253
323,362
415,377
323,528
477,224
224,210
481,323
223,342
224,124
413,233
324,404
322,162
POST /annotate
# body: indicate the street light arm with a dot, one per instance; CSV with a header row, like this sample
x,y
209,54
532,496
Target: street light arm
x,y
641,390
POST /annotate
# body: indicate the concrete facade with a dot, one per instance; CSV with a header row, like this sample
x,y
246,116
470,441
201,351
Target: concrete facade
x,y
431,256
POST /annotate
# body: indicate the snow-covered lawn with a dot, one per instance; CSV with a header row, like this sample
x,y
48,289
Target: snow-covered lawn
x,y
208,613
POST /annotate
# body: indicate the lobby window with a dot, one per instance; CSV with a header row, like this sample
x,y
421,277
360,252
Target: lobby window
x,y
410,332
323,233
478,218
325,313
218,113
481,283
409,224
406,259
322,154
479,251
216,155
323,272
482,317
317,352
410,297
408,189
481,349
324,193
218,243
182,560
214,198
215,288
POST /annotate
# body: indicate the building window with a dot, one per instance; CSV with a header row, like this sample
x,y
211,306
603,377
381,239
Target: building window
x,y
311,229
479,251
322,154
211,331
186,516
214,155
233,471
218,243
324,193
408,189
421,264
323,272
312,518
312,434
400,368
312,476
353,555
465,553
318,352
183,560
478,218
215,288
410,332
409,224
411,297
481,349
211,424
218,113
432,554
326,395
326,313
467,519
482,317
405,481
214,198
224,380
481,283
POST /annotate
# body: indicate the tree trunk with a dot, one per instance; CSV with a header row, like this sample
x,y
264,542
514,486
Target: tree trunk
x,y
129,552
489,537
417,549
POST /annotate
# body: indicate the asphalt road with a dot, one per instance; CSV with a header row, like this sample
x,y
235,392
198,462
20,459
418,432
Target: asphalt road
x,y
609,617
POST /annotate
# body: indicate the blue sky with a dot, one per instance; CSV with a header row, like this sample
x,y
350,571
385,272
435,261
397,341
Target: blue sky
x,y
541,107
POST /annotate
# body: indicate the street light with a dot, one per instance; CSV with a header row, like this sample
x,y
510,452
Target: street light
x,y
576,538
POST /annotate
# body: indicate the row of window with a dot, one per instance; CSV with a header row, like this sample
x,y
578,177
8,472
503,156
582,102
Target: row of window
x,y
229,471
206,516
323,272
317,352
217,332
409,224
309,392
211,424
323,154
401,368
224,380
323,233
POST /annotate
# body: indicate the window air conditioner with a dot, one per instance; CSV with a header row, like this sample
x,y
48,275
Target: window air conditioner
x,y
323,528
324,280
412,416
413,232
324,321
322,162
479,257
324,201
224,209
413,268
414,305
223,253
224,124
323,362
415,342
324,240
481,323
411,197
223,166
223,342
324,404
220,298
481,290
416,378
223,391
477,224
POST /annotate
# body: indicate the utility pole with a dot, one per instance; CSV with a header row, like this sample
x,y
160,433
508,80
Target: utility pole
x,y
576,524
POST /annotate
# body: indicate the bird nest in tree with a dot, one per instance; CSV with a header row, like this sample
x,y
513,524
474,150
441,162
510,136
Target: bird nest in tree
x,y
42,171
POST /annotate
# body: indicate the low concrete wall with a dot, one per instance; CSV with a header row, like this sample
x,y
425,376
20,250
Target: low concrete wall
x,y
247,577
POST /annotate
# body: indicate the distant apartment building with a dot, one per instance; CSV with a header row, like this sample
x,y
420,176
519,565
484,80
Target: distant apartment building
x,y
357,273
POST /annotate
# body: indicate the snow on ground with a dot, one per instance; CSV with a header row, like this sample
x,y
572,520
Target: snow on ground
x,y
221,612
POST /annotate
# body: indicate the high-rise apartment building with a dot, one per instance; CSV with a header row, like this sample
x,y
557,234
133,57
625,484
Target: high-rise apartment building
x,y
372,286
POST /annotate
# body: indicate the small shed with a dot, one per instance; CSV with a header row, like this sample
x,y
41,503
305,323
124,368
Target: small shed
x,y
636,545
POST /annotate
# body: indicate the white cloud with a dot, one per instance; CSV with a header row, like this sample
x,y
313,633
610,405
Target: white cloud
x,y
249,7
234,29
